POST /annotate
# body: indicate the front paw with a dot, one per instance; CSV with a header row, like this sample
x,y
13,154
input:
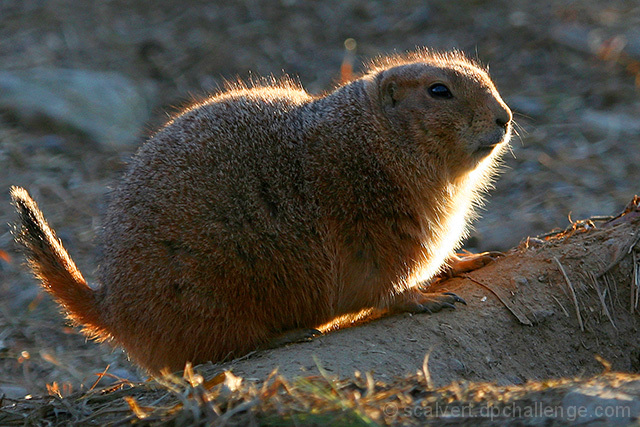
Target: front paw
x,y
426,302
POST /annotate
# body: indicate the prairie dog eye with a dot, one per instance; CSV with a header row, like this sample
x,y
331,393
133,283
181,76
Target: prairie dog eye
x,y
438,90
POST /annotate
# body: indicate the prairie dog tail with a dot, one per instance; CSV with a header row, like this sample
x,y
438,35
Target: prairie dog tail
x,y
52,265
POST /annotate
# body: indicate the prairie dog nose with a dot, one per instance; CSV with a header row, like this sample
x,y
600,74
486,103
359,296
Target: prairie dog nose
x,y
503,115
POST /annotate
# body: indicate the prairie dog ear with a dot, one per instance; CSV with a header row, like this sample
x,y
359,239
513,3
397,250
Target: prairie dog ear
x,y
389,93
393,88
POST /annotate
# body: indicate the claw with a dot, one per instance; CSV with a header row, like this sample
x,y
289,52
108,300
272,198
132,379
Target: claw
x,y
455,297
312,333
431,308
416,301
423,309
448,305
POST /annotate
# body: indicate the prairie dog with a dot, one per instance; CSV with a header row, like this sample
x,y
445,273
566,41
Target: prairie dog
x,y
264,210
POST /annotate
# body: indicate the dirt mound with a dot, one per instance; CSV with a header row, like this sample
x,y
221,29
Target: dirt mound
x,y
554,307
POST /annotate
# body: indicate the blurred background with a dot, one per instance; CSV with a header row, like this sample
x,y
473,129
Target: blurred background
x,y
82,83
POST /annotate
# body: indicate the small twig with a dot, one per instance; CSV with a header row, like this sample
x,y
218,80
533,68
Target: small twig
x,y
566,313
425,370
105,411
601,297
100,376
601,218
202,398
636,280
245,357
521,318
573,293
70,408
240,408
611,282
632,294
605,363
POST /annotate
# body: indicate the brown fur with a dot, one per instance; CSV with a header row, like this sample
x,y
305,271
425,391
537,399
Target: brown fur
x,y
264,210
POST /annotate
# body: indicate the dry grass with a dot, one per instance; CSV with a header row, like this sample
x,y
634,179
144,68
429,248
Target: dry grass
x,y
318,400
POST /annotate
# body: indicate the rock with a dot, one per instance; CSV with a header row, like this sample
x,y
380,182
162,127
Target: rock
x,y
12,391
125,374
596,403
633,43
106,106
574,37
611,124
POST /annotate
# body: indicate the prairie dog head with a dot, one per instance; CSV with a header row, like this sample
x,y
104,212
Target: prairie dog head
x,y
445,106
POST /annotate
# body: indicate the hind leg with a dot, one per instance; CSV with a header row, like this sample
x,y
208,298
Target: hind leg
x,y
294,336
465,262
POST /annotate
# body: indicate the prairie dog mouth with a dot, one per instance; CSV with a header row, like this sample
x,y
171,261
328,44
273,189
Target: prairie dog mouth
x,y
489,141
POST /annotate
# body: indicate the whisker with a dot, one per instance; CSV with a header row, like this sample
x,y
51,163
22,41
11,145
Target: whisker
x,y
518,113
